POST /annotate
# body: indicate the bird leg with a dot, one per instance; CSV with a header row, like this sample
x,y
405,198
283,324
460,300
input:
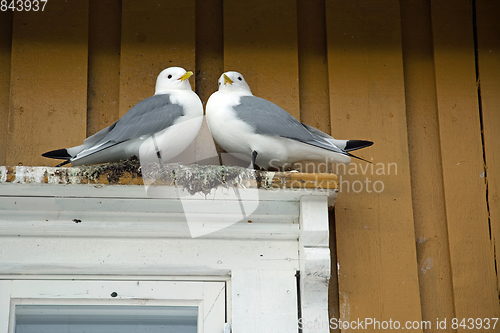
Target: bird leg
x,y
252,164
158,154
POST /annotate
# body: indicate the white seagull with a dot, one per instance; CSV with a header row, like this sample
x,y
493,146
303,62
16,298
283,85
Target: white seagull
x,y
262,132
161,117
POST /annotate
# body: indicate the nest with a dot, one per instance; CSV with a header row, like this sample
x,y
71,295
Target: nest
x,y
113,171
200,178
192,178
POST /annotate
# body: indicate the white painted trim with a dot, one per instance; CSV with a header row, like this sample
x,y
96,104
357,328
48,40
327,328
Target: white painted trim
x,y
74,277
138,191
314,264
5,291
128,236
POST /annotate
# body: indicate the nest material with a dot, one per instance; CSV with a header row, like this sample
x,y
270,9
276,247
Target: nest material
x,y
192,178
112,171
200,178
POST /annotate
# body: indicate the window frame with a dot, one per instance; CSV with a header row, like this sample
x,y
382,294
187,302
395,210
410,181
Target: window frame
x,y
208,296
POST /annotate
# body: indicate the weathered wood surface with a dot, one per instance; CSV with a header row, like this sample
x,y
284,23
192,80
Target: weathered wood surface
x,y
431,234
463,173
376,252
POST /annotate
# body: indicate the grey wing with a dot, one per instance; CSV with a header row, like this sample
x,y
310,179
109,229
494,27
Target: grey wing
x,y
92,140
149,116
269,119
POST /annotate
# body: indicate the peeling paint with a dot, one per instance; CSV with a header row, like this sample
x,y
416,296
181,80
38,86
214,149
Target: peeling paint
x,y
3,174
345,307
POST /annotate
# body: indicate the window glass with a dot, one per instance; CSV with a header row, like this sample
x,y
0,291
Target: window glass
x,y
105,318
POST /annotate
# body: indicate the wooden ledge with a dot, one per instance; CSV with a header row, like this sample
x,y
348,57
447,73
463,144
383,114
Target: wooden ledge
x,y
195,178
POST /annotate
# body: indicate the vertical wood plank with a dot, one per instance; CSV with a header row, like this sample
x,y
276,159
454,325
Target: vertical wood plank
x,y
104,64
313,71
260,42
376,255
48,105
155,35
488,37
209,67
313,67
436,294
472,263
209,47
5,54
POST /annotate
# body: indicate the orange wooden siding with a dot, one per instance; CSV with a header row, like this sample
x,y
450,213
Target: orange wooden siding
x,y
431,233
367,100
403,73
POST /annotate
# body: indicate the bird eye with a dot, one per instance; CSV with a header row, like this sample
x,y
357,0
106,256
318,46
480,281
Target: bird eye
x,y
239,78
169,76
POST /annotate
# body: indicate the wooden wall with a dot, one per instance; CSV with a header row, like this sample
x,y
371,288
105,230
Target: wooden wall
x,y
420,78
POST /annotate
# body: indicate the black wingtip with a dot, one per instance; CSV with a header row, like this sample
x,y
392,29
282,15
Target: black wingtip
x,y
357,144
359,158
59,154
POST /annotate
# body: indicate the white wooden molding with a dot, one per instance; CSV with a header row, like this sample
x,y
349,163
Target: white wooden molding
x,y
314,259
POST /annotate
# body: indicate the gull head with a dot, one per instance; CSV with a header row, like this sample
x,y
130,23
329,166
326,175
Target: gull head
x,y
173,78
234,82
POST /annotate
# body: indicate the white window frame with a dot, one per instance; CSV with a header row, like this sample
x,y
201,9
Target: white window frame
x,y
208,296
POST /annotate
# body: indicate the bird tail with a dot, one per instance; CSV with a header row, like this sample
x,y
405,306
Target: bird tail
x,y
357,144
59,154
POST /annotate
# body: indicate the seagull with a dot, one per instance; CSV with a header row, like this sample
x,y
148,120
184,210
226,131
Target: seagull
x,y
161,117
265,134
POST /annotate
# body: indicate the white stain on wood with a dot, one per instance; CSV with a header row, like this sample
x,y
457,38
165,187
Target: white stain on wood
x,y
427,265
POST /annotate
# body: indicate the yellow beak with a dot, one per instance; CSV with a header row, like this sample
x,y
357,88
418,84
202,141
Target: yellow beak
x,y
227,80
186,76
